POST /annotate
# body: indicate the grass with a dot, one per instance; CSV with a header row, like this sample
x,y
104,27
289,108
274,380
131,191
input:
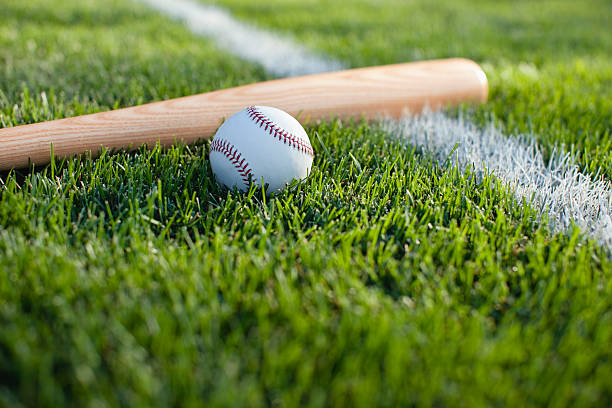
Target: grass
x,y
548,62
87,58
384,279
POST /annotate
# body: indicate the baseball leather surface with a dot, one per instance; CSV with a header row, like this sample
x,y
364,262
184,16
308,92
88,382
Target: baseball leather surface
x,y
260,143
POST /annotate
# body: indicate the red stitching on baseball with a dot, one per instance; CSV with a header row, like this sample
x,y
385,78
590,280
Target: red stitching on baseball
x,y
228,150
280,134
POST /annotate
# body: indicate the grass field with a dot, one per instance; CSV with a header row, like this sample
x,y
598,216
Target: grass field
x,y
385,279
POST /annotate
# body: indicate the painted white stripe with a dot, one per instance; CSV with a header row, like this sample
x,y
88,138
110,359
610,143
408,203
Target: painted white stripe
x,y
557,188
278,55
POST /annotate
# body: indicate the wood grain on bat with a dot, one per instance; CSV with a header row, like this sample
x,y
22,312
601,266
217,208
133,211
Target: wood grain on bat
x,y
364,92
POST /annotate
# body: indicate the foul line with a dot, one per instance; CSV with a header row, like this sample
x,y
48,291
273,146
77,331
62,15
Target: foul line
x,y
556,188
278,55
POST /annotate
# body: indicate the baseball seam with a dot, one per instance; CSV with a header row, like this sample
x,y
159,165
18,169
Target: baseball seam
x,y
282,135
233,155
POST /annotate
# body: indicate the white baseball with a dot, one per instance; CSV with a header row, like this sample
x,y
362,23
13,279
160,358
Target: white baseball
x,y
258,143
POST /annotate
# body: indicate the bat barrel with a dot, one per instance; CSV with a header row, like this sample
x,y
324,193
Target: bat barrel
x,y
364,92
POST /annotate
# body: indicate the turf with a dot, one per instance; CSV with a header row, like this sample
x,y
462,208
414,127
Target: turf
x,y
549,63
386,278
87,58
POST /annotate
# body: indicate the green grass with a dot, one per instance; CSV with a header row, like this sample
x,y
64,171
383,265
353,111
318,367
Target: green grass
x,y
87,58
384,279
549,63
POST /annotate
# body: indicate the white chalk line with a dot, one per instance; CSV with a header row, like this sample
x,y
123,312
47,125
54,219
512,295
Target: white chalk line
x,y
278,55
556,188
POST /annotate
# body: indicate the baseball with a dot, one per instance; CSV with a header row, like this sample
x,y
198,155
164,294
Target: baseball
x,y
260,143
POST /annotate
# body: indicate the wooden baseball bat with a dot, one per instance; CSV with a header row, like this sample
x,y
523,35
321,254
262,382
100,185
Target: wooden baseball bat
x,y
364,92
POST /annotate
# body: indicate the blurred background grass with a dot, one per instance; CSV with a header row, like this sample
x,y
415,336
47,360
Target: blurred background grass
x,y
549,63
